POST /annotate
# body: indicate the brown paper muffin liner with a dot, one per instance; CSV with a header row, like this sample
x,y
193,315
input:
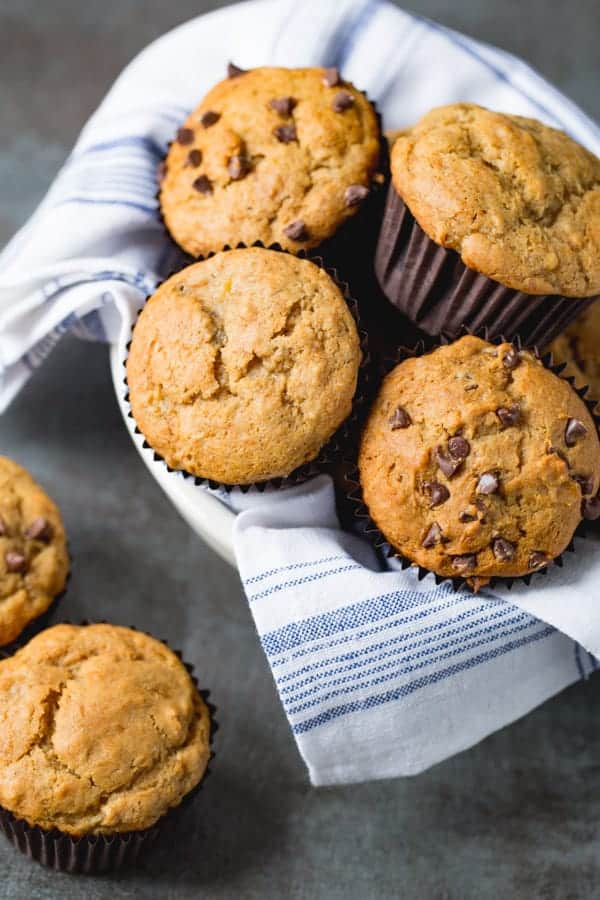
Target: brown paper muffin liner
x,y
97,854
364,525
332,450
433,287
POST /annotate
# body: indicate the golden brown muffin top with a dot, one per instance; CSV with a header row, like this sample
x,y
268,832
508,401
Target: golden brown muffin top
x,y
34,562
518,200
476,461
243,366
101,730
579,347
274,155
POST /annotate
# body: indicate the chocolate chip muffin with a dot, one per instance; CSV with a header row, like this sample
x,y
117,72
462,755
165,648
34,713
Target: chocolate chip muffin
x,y
102,731
492,220
272,155
243,366
34,562
579,348
476,461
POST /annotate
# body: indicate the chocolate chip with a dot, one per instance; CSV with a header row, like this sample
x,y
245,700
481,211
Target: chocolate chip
x,y
433,536
585,482
283,105
446,464
466,516
590,508
400,419
39,530
556,452
15,562
210,117
2,526
503,549
238,167
574,430
202,185
234,71
194,157
488,483
537,560
285,134
458,447
471,387
511,359
438,493
509,415
297,231
185,136
161,171
464,563
342,101
355,194
331,77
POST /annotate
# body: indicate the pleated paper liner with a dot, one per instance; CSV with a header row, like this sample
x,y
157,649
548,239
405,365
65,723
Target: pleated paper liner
x,y
433,287
367,528
330,451
95,854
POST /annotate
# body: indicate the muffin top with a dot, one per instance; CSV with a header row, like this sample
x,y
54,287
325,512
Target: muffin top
x,y
579,347
272,155
476,461
243,366
102,730
519,201
33,552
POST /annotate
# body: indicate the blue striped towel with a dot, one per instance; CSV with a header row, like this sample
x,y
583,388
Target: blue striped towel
x,y
379,674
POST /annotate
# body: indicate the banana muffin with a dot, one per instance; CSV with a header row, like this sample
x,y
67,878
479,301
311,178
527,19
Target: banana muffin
x,y
102,731
243,366
34,562
492,220
476,461
273,155
579,348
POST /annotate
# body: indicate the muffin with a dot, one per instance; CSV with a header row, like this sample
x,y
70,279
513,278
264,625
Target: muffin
x,y
34,562
491,220
272,155
476,461
578,347
103,732
243,366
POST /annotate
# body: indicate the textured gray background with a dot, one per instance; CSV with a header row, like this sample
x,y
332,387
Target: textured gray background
x,y
517,816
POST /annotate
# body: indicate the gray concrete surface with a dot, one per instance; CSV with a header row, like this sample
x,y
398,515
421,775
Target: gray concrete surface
x,y
517,817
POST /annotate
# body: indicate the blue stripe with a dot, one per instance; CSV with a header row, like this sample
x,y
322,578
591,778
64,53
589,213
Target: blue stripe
x,y
306,579
360,24
299,565
132,140
400,693
93,201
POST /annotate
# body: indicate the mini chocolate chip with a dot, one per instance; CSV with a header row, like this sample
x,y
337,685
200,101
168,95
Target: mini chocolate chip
x,y
438,493
400,419
161,171
39,530
509,415
285,134
471,387
194,157
238,167
331,77
503,549
355,194
574,430
537,560
433,536
296,231
466,516
458,447
185,136
590,508
446,464
511,360
585,482
203,185
488,483
283,105
234,71
342,101
210,117
464,563
15,562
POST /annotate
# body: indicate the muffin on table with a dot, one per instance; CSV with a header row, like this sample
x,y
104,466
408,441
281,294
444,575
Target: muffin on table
x,y
243,366
476,461
34,561
273,155
579,348
103,731
491,220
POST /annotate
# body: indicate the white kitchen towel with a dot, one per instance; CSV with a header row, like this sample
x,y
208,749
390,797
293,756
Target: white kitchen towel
x,y
379,674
